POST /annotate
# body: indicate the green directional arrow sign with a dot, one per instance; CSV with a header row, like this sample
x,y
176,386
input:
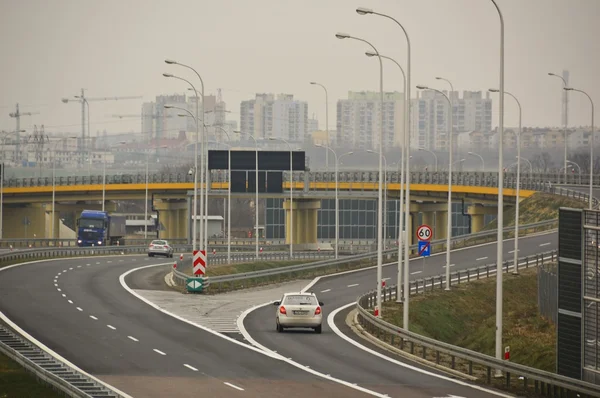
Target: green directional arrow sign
x,y
194,284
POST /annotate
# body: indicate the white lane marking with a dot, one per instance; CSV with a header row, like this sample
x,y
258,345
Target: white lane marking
x,y
55,281
480,258
416,272
79,309
108,262
93,317
190,367
159,352
64,295
545,244
132,338
70,302
325,291
337,331
97,263
71,269
354,284
64,270
452,265
240,323
120,261
386,279
111,327
87,265
265,350
233,386
57,275
79,266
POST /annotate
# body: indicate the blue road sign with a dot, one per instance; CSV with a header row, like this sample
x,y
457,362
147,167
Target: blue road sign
x,y
424,248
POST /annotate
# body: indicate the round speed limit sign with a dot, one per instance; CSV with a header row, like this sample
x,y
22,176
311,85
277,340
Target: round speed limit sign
x,y
424,232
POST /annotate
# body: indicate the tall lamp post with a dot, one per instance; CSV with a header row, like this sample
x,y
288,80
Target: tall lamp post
x,y
195,204
228,194
385,195
516,252
256,189
480,157
172,62
401,171
566,117
405,157
337,203
380,194
291,193
591,145
449,216
326,122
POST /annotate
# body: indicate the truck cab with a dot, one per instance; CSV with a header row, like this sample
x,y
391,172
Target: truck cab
x,y
99,228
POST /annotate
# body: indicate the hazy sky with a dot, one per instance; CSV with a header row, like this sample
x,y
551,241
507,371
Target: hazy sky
x,y
52,49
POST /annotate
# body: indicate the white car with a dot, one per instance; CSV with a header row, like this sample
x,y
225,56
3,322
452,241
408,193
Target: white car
x,y
299,310
160,248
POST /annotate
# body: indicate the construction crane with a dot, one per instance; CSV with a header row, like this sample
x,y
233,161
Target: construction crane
x,y
38,139
83,100
17,115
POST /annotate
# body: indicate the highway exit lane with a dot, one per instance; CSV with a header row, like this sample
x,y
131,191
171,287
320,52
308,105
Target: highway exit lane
x,y
329,353
83,313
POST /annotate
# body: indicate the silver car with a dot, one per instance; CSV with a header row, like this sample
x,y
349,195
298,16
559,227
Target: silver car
x,y
160,248
299,310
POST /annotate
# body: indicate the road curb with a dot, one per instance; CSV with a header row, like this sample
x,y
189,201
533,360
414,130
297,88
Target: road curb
x,y
352,322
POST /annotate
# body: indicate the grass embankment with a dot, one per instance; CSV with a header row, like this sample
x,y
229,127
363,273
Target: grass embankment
x,y
16,382
538,207
465,317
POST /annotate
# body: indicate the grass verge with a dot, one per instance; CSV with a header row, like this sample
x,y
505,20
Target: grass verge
x,y
465,317
16,382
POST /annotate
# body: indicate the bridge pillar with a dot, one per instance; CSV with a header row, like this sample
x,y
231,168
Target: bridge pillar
x,y
305,213
478,213
26,221
173,217
428,218
441,225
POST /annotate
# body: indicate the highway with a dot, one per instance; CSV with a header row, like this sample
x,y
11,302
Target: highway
x,y
331,354
79,309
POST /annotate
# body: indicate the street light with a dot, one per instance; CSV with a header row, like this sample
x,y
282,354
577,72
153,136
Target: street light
x,y
326,122
195,205
500,217
337,207
566,116
172,62
449,213
380,193
516,251
434,156
480,157
591,144
578,168
405,155
291,194
401,171
256,189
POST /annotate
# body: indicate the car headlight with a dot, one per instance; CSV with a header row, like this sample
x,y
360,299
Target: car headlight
x,y
79,241
99,242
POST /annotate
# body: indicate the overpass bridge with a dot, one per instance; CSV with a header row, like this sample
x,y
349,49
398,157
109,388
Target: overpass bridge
x,y
31,198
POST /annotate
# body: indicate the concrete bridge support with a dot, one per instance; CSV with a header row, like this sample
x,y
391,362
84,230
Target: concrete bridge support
x,y
305,213
25,221
173,216
478,213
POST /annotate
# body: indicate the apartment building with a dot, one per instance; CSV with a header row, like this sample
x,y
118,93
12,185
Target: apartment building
x,y
268,116
359,120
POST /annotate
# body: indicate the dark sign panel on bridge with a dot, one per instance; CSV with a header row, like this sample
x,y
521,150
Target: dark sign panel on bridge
x,y
246,160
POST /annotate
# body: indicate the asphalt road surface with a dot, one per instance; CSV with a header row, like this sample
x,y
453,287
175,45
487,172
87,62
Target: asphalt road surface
x,y
331,354
78,308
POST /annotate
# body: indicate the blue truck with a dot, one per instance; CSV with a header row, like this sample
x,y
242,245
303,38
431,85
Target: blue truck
x,y
99,228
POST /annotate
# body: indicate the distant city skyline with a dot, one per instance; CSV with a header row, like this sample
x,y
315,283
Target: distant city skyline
x,y
46,65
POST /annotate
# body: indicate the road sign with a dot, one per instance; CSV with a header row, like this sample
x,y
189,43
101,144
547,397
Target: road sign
x,y
424,232
194,284
199,264
424,248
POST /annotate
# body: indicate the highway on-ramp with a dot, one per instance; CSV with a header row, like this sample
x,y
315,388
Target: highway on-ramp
x,y
79,309
329,353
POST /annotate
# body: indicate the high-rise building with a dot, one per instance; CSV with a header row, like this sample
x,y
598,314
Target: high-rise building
x,y
359,119
268,116
159,122
430,117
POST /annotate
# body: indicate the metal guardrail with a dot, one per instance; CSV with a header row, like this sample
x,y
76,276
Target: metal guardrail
x,y
50,370
432,350
349,261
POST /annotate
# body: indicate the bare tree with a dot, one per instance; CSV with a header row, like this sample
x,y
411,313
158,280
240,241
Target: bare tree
x,y
542,162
